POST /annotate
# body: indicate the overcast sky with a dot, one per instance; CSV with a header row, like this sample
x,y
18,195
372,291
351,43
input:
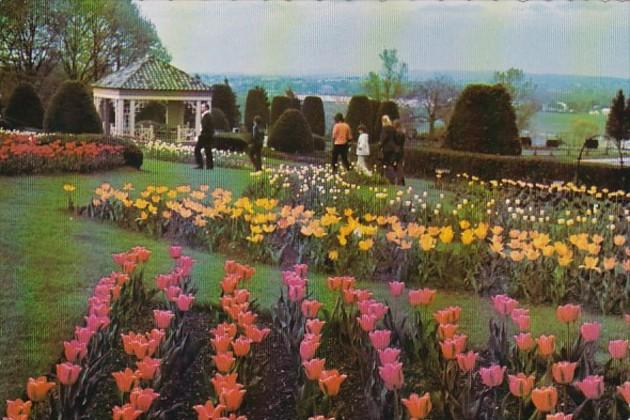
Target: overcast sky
x,y
345,37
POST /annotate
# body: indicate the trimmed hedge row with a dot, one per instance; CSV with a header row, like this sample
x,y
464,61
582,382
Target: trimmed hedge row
x,y
423,162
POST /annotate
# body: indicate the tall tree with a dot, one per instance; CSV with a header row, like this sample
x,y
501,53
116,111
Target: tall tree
x,y
223,97
436,99
616,123
521,90
389,83
257,103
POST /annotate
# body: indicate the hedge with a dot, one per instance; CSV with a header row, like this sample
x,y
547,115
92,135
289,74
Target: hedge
x,y
71,110
235,142
423,162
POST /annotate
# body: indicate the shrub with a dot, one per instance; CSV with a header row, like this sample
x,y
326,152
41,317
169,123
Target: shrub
x,y
24,109
71,110
236,142
313,110
319,142
223,98
423,162
385,108
484,121
257,103
279,104
219,120
359,112
152,111
291,133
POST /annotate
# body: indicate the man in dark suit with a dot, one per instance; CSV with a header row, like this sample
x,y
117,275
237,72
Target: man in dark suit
x,y
204,141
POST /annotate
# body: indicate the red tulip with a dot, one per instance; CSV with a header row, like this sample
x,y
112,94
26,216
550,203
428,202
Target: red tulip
x,y
313,368
563,372
590,331
418,407
521,385
125,379
592,386
392,375
492,376
568,313
67,373
37,389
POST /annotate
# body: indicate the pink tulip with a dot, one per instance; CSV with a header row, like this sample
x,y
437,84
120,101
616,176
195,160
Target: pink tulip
x,y
363,294
310,308
568,313
492,376
162,281
521,385
296,293
466,361
172,292
521,321
388,355
184,302
175,252
380,339
162,318
626,317
559,416
83,334
367,322
308,349
422,297
392,375
524,341
74,350
68,373
624,391
590,331
301,270
503,304
618,349
592,386
396,288
314,326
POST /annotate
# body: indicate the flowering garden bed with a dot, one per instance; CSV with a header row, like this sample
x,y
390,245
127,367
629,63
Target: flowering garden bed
x,y
148,351
27,153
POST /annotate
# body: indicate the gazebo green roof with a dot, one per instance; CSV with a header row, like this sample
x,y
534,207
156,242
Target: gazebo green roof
x,y
151,73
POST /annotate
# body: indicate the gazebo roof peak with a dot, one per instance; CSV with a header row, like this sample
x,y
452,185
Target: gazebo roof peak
x,y
152,73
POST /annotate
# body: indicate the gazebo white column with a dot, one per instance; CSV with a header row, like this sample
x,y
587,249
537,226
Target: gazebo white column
x,y
119,121
132,118
197,118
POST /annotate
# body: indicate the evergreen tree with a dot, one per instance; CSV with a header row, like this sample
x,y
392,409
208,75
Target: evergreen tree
x,y
313,110
223,97
24,109
359,112
279,104
257,103
291,133
72,110
616,123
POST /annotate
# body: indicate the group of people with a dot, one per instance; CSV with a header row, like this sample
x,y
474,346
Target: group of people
x,y
391,148
206,137
391,145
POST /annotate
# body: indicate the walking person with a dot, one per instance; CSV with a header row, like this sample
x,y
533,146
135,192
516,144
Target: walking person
x,y
341,135
363,150
204,141
398,163
258,137
387,146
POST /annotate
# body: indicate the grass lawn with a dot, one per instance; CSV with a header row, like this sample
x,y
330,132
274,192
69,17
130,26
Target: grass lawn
x,y
49,263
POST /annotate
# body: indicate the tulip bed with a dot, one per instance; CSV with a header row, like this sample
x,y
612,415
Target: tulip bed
x,y
546,243
25,153
161,150
147,350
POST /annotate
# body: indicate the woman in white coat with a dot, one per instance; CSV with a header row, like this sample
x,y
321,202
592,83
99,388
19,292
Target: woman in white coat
x,y
363,150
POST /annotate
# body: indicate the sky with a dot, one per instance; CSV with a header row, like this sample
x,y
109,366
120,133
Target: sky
x,y
307,37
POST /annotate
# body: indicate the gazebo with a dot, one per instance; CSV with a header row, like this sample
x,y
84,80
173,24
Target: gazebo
x,y
149,79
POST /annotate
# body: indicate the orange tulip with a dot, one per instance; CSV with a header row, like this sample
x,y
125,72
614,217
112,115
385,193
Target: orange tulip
x,y
563,372
313,368
521,385
147,367
466,361
241,346
224,361
221,343
37,389
125,380
624,391
141,399
546,345
18,409
545,398
223,381
330,381
126,412
568,313
418,407
447,330
209,411
232,397
314,326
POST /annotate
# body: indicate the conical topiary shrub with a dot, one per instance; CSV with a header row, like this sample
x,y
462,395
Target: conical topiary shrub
x,y
313,110
71,110
24,109
291,133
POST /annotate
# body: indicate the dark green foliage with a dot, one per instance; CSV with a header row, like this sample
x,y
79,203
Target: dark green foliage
x,y
374,105
152,111
224,98
219,120
279,104
236,142
319,142
484,121
422,162
616,124
257,103
389,108
291,133
313,110
24,109
71,110
359,112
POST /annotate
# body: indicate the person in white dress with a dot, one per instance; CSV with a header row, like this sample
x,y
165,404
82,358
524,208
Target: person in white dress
x,y
363,150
